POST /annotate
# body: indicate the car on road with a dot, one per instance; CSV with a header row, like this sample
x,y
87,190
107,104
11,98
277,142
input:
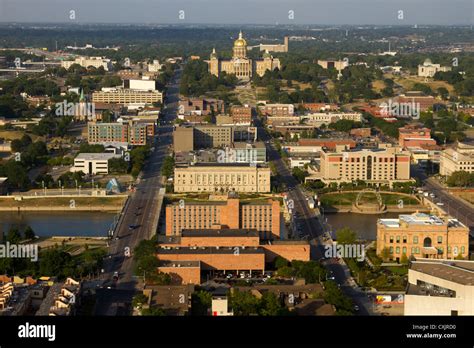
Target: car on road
x,y
440,203
432,195
132,227
116,276
356,308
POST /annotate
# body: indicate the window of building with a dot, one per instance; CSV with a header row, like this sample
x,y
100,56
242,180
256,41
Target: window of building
x,y
415,239
440,240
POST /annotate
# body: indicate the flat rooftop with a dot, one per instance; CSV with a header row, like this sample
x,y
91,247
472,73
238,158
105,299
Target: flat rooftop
x,y
461,272
209,250
220,233
216,164
419,219
96,156
180,264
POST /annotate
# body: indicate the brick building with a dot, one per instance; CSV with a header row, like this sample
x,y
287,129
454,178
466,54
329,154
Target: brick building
x,y
264,216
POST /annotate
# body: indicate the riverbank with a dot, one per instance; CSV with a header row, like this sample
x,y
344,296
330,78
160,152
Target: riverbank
x,y
74,245
66,203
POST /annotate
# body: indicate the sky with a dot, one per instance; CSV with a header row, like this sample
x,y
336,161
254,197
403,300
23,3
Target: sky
x,y
316,12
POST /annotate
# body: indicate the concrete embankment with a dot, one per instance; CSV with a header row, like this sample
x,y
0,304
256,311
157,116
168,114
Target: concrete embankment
x,y
62,203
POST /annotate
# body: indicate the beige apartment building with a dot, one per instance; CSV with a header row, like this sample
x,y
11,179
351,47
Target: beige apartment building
x,y
459,158
263,216
422,235
127,96
440,288
222,177
381,166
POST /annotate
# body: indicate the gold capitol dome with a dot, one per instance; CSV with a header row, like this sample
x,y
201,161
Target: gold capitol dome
x,y
240,42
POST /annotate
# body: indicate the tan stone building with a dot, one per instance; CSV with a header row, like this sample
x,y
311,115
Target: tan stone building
x,y
217,177
422,235
240,65
264,216
376,166
459,158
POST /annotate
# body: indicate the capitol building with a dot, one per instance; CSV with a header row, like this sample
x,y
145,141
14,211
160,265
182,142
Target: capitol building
x,y
240,65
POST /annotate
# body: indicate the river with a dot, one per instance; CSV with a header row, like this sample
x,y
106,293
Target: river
x,y
45,224
363,224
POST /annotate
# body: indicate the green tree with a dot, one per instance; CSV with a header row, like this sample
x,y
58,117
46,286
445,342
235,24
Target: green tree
x,y
201,303
29,233
14,235
346,236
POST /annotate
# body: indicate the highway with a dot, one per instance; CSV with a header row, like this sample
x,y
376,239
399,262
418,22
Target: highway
x,y
136,221
313,229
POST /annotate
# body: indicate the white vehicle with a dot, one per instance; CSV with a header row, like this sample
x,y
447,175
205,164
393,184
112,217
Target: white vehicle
x,y
426,194
432,195
440,203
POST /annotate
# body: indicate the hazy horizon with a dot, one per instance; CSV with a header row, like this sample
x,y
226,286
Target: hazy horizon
x,y
244,12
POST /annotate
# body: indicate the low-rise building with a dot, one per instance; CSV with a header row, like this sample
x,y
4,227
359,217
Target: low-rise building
x,y
320,118
460,157
93,163
428,69
440,287
200,106
277,109
86,62
422,235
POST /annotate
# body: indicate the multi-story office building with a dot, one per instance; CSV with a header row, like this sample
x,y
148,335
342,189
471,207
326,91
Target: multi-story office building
x,y
127,96
438,287
241,114
226,177
275,47
277,109
240,65
86,62
415,136
134,133
140,84
458,158
229,250
422,235
263,216
210,136
200,106
93,163
240,152
381,166
320,118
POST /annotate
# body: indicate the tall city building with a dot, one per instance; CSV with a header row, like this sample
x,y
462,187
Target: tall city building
x,y
240,65
377,166
263,216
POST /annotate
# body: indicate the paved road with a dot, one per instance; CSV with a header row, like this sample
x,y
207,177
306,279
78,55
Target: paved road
x,y
313,229
453,205
142,206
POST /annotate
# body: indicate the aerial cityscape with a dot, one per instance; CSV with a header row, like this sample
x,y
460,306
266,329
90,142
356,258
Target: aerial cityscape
x,y
199,166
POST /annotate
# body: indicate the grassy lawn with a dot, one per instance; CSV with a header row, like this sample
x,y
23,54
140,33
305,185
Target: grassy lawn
x,y
63,202
17,134
348,198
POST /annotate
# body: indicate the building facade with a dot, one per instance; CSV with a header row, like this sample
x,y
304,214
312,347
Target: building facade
x,y
422,235
86,62
127,96
216,177
428,69
264,217
458,158
240,65
376,166
440,288
93,163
